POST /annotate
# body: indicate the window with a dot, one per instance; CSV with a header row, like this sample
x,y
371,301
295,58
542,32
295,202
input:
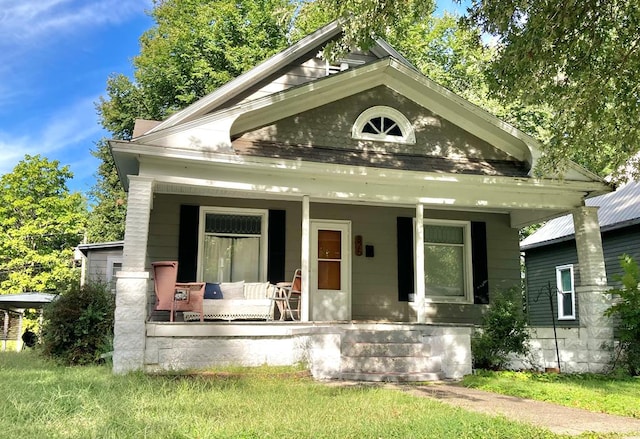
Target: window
x,y
114,265
447,261
566,293
232,245
383,124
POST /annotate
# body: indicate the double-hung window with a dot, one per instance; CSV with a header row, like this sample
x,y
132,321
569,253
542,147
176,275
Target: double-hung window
x,y
566,292
447,261
233,245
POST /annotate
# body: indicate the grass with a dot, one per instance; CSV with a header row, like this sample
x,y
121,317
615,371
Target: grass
x,y
41,399
597,393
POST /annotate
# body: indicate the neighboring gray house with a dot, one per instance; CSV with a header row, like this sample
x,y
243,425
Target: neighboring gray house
x,y
100,262
552,264
299,164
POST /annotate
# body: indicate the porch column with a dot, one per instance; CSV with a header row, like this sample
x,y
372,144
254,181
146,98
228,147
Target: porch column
x,y
419,281
132,281
305,263
596,330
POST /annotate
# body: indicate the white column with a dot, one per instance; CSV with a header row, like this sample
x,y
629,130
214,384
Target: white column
x,y
596,330
419,271
589,246
305,263
132,281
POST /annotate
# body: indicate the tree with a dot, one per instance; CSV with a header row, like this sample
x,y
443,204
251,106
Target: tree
x,y
40,224
583,59
106,219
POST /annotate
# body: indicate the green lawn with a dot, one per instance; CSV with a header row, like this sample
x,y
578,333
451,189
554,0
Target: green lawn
x,y
42,400
598,393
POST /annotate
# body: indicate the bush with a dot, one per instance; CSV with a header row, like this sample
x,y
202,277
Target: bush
x,y
503,332
78,325
626,311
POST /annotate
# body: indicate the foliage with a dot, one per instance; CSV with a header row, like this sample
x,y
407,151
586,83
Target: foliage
x,y
78,325
109,207
45,400
598,393
626,310
503,332
582,58
40,224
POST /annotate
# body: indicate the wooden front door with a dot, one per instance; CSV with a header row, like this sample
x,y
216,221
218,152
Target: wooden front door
x,y
330,276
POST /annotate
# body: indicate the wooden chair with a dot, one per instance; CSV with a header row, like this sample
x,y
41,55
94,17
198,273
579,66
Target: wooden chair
x,y
289,295
175,296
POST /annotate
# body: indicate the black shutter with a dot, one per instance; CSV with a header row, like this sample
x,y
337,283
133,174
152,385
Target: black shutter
x,y
405,259
188,243
277,245
479,260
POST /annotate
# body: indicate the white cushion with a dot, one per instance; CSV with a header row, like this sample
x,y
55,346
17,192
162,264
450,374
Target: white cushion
x,y
232,290
255,290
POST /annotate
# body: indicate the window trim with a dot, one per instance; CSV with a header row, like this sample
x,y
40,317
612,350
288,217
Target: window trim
x,y
408,133
467,297
110,275
264,237
560,293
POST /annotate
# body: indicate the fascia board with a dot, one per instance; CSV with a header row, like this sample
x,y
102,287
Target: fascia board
x,y
356,185
247,79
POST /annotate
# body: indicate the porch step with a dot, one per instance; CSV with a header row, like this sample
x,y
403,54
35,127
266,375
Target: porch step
x,y
367,349
390,364
389,377
388,355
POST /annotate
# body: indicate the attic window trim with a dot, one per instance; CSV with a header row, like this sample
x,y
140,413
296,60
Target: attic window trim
x,y
385,113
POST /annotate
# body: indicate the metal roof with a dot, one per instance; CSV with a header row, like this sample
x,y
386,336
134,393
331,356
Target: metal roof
x,y
617,209
25,300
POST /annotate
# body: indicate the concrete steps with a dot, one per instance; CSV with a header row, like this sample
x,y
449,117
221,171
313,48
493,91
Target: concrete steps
x,y
388,355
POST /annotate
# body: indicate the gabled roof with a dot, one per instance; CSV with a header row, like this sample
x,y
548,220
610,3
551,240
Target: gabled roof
x,y
617,209
313,42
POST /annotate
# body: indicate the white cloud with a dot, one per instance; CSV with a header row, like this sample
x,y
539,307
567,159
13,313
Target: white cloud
x,y
67,135
25,21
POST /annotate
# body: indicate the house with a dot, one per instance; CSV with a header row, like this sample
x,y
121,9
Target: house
x,y
100,262
399,201
554,273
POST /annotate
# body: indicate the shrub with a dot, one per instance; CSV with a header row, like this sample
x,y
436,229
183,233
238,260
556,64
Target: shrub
x,y
626,311
503,332
78,325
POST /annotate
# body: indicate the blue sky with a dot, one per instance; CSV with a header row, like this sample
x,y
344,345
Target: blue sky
x,y
55,58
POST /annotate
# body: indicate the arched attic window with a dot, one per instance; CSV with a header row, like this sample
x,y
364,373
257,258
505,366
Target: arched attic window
x,y
384,124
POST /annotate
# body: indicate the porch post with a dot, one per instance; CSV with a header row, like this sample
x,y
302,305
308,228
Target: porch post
x,y
419,251
596,330
132,281
305,263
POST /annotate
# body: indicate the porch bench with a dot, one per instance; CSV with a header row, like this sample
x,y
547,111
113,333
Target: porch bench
x,y
237,301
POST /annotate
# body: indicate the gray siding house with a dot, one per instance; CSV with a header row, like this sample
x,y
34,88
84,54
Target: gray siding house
x,y
100,262
553,268
399,201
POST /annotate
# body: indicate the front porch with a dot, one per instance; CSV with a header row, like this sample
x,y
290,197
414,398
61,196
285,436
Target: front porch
x,y
370,351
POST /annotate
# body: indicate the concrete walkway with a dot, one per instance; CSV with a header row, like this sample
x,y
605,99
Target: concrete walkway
x,y
553,417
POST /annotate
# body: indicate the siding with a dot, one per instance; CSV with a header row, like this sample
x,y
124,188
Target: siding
x,y
540,272
374,280
330,126
541,263
97,264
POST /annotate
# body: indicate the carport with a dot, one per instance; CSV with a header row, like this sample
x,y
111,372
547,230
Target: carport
x,y
16,304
